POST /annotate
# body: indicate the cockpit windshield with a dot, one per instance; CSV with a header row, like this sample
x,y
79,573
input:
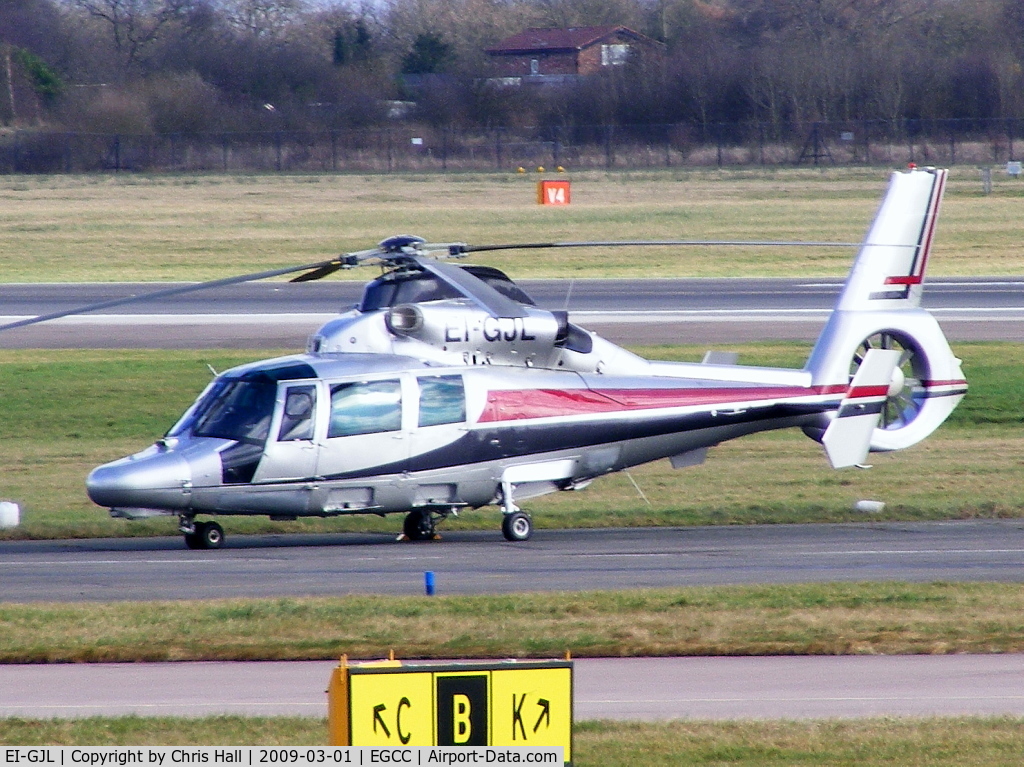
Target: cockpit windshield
x,y
234,409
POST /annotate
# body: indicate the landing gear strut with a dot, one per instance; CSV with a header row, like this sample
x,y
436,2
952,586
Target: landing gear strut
x,y
516,524
202,535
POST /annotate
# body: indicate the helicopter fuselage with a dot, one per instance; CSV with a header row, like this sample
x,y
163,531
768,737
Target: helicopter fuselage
x,y
331,434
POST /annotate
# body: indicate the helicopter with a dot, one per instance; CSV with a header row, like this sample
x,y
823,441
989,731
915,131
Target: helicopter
x,y
447,388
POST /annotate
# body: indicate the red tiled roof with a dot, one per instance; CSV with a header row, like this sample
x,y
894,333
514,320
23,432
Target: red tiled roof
x,y
557,40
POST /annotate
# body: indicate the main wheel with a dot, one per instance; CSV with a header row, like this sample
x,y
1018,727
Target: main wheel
x,y
418,525
212,535
517,526
207,535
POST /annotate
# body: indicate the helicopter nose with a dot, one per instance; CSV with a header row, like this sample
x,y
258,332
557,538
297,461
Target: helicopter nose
x,y
152,479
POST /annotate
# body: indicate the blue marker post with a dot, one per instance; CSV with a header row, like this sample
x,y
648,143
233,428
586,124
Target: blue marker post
x,y
428,582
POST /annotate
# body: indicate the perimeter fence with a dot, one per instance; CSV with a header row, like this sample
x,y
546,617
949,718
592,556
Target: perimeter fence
x,y
407,148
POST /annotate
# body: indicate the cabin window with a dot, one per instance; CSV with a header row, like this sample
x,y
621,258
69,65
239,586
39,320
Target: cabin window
x,y
297,418
442,400
365,407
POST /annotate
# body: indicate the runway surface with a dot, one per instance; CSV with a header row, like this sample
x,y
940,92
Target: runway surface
x,y
484,563
604,688
282,315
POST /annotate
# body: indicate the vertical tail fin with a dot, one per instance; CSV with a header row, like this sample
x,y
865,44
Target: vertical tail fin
x,y
889,270
880,308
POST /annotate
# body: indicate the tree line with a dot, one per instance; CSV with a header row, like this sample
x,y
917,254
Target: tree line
x,y
188,66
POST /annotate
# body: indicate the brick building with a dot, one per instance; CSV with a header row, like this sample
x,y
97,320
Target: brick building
x,y
561,53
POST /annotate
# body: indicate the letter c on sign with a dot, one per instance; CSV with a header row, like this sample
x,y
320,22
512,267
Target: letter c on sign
x,y
405,737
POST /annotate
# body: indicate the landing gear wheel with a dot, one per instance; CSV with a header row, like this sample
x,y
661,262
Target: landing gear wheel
x,y
212,535
207,535
418,526
517,526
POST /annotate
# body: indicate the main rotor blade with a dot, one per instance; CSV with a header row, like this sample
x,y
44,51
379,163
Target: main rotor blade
x,y
323,271
471,287
165,293
647,243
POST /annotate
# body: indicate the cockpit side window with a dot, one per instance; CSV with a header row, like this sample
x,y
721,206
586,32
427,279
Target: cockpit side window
x,y
241,411
442,400
297,420
365,407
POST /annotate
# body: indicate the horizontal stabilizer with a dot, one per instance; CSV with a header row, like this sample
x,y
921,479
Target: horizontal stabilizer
x,y
847,439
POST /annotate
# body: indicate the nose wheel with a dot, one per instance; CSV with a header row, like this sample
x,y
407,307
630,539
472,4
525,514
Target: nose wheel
x,y
203,535
419,525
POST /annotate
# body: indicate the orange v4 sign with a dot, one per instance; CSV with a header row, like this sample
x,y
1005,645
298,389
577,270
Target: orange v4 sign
x,y
553,193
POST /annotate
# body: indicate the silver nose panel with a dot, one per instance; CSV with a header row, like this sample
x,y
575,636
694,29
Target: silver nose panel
x,y
152,479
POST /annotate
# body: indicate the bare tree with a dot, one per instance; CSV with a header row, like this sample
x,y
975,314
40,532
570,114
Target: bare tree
x,y
134,25
263,18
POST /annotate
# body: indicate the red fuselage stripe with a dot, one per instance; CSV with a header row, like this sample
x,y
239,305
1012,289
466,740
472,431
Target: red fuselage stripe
x,y
523,404
512,405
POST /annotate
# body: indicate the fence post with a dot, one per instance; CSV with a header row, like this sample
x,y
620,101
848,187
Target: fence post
x,y
608,158
499,162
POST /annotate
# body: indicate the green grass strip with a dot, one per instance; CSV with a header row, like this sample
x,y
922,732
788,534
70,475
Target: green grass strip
x,y
813,619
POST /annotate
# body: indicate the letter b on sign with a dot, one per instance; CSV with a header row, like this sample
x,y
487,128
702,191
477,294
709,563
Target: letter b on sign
x,y
462,710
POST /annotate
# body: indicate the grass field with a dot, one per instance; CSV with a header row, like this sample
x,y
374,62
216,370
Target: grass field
x,y
66,411
135,227
962,742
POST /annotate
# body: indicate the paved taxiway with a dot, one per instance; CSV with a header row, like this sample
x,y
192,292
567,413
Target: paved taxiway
x,y
484,563
605,688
